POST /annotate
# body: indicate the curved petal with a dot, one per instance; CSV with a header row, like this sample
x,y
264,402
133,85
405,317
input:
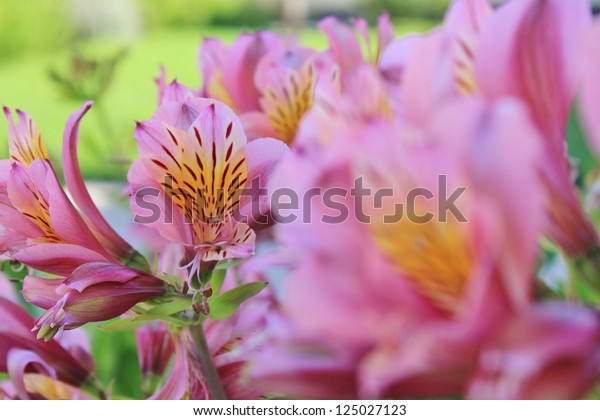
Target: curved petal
x,y
21,360
262,156
79,192
537,58
58,259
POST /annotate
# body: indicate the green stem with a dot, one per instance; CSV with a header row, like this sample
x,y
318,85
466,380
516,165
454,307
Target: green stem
x,y
210,371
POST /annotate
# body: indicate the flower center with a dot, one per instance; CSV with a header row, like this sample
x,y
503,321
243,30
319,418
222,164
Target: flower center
x,y
434,256
286,103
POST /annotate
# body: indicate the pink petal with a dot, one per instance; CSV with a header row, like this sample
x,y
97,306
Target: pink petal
x,y
58,259
257,125
537,59
343,44
262,157
238,71
41,291
79,192
590,90
21,360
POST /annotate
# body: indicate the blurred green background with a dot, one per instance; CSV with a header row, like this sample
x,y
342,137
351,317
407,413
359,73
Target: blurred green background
x,y
54,54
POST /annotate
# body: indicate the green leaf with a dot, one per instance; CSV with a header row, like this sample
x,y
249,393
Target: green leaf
x,y
225,304
578,146
162,312
122,324
216,281
173,281
165,309
225,264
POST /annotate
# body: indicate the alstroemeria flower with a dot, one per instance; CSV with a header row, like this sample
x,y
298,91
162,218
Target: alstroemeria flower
x,y
41,228
70,363
228,71
345,44
195,161
286,80
403,308
95,291
31,377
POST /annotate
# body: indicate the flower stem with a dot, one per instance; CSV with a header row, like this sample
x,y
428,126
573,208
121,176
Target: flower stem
x,y
210,371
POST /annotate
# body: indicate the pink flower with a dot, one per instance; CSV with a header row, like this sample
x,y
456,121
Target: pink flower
x,y
95,291
550,351
195,162
64,361
403,309
33,378
286,80
41,228
228,72
345,44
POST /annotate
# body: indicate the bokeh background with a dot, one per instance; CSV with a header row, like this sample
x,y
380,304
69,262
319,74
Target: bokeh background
x,y
54,54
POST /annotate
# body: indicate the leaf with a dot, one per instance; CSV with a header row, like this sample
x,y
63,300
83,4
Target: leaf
x,y
173,281
225,264
578,147
225,304
216,281
165,309
162,312
122,324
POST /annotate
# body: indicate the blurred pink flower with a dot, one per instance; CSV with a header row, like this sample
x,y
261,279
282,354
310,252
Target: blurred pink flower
x,y
194,154
550,351
155,349
345,43
286,80
402,309
538,60
95,291
228,71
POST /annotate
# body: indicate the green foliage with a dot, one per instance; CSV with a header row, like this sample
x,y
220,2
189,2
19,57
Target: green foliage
x,y
579,149
32,25
117,363
224,305
429,9
164,311
180,13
